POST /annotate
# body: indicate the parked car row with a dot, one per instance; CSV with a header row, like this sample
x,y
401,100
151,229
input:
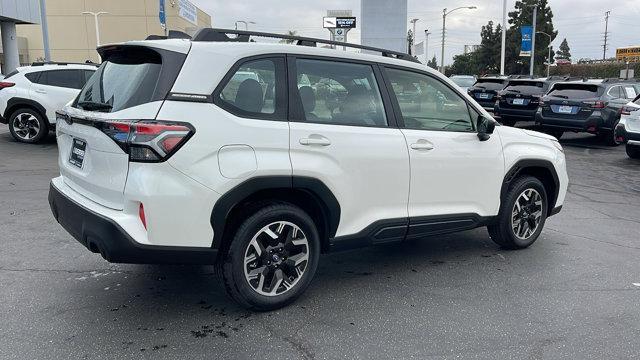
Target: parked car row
x,y
559,104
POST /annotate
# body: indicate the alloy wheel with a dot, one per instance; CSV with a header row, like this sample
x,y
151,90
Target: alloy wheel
x,y
276,258
26,126
526,214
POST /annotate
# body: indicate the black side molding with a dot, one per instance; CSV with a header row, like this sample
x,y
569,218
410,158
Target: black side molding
x,y
524,166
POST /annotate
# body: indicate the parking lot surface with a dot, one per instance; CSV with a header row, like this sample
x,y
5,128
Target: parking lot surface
x,y
574,294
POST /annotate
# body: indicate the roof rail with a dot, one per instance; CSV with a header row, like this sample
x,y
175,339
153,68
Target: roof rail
x,y
43,63
221,35
617,80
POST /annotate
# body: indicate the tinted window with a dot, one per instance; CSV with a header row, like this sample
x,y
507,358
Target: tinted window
x,y
463,81
339,93
525,87
33,77
124,79
489,84
575,91
615,92
62,78
87,75
428,104
251,89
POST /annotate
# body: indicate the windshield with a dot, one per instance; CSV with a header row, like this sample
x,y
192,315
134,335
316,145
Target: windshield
x,y
574,91
124,80
525,87
463,81
489,84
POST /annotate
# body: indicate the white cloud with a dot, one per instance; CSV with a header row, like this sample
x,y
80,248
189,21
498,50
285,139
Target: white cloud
x,y
580,21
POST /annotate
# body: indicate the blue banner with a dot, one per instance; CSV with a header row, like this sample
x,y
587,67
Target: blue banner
x,y
527,34
162,15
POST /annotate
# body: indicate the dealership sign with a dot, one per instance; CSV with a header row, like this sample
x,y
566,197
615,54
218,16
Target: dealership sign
x,y
342,22
527,36
188,11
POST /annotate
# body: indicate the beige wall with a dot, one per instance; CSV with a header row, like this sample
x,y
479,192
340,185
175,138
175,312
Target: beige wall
x,y
72,35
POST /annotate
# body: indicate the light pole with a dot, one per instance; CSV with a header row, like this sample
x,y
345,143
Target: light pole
x,y
503,50
95,17
444,27
246,24
549,63
413,35
533,41
45,31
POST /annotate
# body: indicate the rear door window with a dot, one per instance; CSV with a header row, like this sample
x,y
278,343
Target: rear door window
x,y
62,78
630,92
33,77
575,91
341,93
251,90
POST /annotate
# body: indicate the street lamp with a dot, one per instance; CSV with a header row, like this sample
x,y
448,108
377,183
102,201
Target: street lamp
x,y
444,22
413,34
246,24
549,63
95,17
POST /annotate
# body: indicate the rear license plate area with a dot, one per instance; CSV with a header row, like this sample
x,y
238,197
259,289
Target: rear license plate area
x,y
78,150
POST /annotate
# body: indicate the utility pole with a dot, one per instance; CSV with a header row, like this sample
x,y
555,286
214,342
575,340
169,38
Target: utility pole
x,y
606,34
45,31
533,41
444,27
413,37
504,37
426,47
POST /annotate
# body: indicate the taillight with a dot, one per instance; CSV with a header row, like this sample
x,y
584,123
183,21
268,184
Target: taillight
x,y
6,84
627,110
148,141
596,104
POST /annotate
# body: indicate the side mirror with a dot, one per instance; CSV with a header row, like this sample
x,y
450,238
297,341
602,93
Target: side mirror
x,y
485,128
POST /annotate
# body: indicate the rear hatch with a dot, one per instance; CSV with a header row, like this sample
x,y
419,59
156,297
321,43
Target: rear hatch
x,y
522,95
94,131
486,90
573,100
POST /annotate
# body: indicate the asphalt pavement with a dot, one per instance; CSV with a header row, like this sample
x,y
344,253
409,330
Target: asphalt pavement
x,y
574,294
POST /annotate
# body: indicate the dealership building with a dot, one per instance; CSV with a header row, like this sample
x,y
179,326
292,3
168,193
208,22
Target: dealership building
x,y
72,34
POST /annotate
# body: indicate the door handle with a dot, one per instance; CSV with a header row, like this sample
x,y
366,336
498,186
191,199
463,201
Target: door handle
x,y
319,141
422,146
41,91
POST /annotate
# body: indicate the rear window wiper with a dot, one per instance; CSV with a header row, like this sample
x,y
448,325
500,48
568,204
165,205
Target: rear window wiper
x,y
515,91
561,96
94,105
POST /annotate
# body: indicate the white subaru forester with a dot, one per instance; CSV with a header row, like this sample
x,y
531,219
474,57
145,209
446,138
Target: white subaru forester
x,y
258,157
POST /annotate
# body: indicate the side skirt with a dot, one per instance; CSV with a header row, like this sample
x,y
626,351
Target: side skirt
x,y
397,230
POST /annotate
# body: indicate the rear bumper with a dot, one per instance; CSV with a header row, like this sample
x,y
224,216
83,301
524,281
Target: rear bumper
x,y
100,234
592,124
516,114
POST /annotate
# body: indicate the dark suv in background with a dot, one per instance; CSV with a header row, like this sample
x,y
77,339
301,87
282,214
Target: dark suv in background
x,y
485,91
519,100
587,106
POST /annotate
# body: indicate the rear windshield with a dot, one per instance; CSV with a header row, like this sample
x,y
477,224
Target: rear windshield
x,y
526,87
490,84
463,81
575,91
125,79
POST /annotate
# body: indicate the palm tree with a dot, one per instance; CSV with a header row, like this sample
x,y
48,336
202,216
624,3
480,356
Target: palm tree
x,y
289,33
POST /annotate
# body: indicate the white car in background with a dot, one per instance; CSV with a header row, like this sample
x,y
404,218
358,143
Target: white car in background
x,y
628,129
31,95
464,81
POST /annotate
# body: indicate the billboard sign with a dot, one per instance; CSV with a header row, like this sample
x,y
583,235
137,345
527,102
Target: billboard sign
x,y
340,22
188,11
527,35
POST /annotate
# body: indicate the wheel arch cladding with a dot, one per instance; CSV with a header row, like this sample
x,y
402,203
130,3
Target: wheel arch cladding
x,y
310,194
543,170
16,102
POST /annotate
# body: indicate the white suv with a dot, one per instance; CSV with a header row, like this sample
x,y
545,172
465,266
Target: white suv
x,y
259,157
628,129
31,95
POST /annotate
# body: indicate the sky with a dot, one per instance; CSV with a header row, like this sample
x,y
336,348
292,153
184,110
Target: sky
x,y
580,21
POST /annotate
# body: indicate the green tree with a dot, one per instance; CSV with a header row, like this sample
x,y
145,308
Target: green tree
x,y
289,41
433,63
564,51
464,64
522,16
488,56
410,42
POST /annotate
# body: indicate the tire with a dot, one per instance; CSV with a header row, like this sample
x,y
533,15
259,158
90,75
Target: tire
x,y
252,287
509,236
609,136
28,126
633,151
